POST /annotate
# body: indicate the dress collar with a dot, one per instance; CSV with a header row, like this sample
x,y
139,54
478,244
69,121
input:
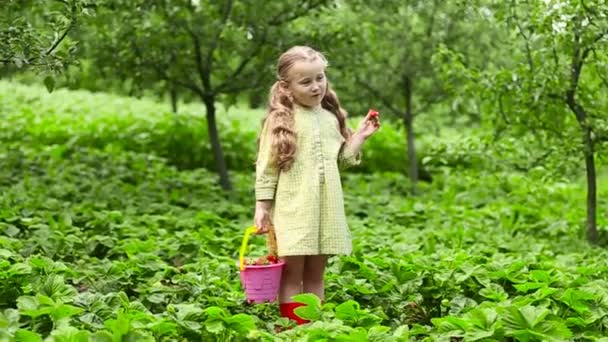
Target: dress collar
x,y
316,109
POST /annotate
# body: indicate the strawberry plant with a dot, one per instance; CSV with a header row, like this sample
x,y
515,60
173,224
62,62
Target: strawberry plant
x,y
105,243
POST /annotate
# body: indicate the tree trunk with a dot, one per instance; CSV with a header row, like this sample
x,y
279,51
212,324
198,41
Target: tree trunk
x,y
408,119
255,99
216,147
592,234
581,117
173,95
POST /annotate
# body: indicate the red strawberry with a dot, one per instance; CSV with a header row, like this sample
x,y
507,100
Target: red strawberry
x,y
373,113
272,259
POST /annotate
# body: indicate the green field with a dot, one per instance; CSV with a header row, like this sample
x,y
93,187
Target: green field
x,y
111,230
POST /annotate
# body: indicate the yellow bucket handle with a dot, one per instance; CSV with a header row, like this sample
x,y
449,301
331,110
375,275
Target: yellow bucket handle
x,y
248,232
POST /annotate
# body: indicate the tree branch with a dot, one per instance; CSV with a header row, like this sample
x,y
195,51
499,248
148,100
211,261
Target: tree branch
x,y
227,10
431,21
58,41
599,74
28,62
576,67
590,13
292,14
379,96
246,84
222,88
523,34
428,103
599,37
534,163
203,72
501,109
578,60
163,74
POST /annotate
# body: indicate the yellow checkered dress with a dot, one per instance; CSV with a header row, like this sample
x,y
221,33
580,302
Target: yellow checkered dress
x,y
308,209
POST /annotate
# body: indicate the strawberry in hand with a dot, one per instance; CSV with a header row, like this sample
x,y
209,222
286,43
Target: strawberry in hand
x,y
369,125
374,117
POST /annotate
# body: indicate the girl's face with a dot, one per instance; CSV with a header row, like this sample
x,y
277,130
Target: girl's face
x,y
306,82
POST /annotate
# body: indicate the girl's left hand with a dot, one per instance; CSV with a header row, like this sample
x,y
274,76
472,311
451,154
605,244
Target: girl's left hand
x,y
370,124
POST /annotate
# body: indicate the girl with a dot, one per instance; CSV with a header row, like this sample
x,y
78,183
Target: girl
x,y
303,144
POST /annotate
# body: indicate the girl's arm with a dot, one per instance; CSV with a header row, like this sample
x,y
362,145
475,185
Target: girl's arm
x,y
350,155
265,181
266,174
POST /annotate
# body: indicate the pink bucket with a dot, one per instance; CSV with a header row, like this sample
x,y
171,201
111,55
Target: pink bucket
x,y
262,283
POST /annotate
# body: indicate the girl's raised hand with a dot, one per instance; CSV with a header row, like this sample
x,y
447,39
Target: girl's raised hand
x,y
370,124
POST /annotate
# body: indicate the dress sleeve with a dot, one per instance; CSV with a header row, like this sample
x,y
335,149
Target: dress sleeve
x,y
266,174
347,157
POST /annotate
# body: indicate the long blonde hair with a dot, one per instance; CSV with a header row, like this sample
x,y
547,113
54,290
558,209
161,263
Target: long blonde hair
x,y
280,113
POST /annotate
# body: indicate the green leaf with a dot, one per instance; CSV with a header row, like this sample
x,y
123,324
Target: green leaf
x,y
356,335
348,311
215,326
65,311
49,82
456,326
120,326
402,332
20,269
5,253
241,323
484,324
27,336
101,336
192,312
215,312
44,300
578,299
54,286
308,299
164,328
534,315
312,308
494,292
554,330
25,303
70,334
526,287
528,321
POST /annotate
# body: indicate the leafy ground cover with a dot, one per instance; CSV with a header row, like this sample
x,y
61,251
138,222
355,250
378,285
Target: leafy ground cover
x,y
106,243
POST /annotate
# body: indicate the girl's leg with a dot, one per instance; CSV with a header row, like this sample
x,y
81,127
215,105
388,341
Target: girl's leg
x,y
291,285
314,269
291,279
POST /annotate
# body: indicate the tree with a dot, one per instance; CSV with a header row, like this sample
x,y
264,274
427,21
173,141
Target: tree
x,y
35,34
214,49
383,51
554,85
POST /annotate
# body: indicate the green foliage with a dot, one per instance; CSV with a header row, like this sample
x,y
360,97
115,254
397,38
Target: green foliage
x,y
115,123
549,89
528,94
208,48
112,227
35,34
110,244
81,119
